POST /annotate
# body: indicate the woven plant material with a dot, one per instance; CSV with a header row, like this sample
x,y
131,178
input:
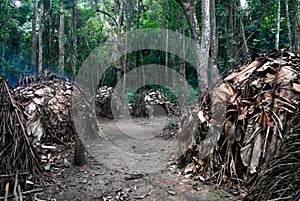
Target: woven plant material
x,y
17,154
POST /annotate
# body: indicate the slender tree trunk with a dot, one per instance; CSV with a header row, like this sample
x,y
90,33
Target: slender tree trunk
x,y
182,60
189,8
205,46
166,77
278,25
127,7
137,63
167,57
74,38
297,27
143,69
213,68
50,35
33,35
288,23
61,49
41,36
202,51
120,23
234,53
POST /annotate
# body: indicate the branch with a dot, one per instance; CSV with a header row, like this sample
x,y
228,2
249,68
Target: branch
x,y
181,4
109,15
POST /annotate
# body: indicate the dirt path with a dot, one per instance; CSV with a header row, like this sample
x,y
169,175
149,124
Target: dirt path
x,y
130,164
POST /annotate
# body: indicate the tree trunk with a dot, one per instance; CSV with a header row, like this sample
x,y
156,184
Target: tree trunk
x,y
213,68
128,13
182,60
167,57
189,8
233,50
205,46
278,25
74,38
297,27
143,69
288,23
61,57
50,35
137,62
168,17
33,36
120,23
41,36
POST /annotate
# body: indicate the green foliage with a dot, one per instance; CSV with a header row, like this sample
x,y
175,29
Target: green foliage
x,y
260,24
172,123
94,27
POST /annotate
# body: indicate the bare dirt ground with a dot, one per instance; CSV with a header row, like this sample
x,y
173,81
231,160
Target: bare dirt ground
x,y
130,164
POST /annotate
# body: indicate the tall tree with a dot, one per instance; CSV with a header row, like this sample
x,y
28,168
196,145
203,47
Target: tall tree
x,y
50,34
33,35
297,27
182,56
128,5
288,23
232,42
214,43
119,27
205,44
166,76
189,8
277,25
61,40
202,43
41,36
74,39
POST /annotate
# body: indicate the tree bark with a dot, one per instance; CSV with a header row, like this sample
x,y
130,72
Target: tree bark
x,y
50,35
137,61
234,48
167,57
33,36
288,23
297,27
205,46
213,68
120,23
189,8
202,56
61,57
127,9
166,77
74,39
278,25
182,60
41,36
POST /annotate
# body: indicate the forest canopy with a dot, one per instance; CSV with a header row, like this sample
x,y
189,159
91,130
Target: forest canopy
x,y
59,35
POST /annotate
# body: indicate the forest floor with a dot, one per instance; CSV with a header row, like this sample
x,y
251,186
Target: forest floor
x,y
128,167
